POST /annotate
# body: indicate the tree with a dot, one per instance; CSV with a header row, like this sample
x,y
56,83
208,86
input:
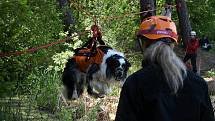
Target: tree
x,y
184,22
146,5
68,19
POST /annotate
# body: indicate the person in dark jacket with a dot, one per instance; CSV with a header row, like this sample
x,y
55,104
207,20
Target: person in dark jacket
x,y
205,44
163,89
191,50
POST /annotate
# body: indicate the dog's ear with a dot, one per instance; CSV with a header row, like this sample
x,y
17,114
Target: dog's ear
x,y
111,61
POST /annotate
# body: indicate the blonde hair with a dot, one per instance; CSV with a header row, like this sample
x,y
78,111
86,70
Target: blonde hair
x,y
173,68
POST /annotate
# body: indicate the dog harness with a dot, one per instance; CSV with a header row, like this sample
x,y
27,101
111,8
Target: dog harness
x,y
84,58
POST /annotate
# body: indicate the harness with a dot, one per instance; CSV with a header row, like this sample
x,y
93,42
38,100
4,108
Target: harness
x,y
90,53
85,57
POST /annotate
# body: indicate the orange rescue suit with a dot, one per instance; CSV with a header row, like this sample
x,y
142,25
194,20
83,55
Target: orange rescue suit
x,y
84,61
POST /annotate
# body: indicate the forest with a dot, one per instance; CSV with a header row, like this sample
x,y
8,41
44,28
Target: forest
x,y
38,36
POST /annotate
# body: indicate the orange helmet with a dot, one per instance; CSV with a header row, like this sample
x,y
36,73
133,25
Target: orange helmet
x,y
156,27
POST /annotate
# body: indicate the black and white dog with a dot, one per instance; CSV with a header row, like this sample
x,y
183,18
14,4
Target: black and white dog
x,y
98,77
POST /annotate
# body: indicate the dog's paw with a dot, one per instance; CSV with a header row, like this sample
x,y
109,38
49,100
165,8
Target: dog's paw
x,y
97,95
101,95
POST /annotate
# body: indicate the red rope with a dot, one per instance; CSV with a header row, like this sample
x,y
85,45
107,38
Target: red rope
x,y
29,50
38,48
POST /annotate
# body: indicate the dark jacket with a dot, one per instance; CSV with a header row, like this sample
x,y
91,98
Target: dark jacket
x,y
145,96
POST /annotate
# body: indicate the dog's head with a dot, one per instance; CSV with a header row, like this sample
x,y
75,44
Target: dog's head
x,y
117,67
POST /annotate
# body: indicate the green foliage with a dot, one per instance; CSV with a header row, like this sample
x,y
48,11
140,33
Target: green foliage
x,y
115,90
61,58
45,89
118,32
11,71
92,114
136,61
65,114
211,73
202,17
25,24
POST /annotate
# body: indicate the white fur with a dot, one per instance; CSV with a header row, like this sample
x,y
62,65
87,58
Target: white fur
x,y
122,61
101,87
75,94
100,83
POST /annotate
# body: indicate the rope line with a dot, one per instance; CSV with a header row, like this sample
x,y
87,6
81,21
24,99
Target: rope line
x,y
81,8
16,53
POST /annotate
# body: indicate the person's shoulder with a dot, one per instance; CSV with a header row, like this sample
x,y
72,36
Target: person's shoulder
x,y
145,70
144,75
195,77
130,83
196,83
134,78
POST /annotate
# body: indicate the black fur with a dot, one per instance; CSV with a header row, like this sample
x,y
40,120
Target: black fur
x,y
70,77
104,48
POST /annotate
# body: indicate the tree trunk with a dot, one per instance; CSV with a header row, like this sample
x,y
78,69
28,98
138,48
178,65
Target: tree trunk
x,y
184,22
68,19
146,5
